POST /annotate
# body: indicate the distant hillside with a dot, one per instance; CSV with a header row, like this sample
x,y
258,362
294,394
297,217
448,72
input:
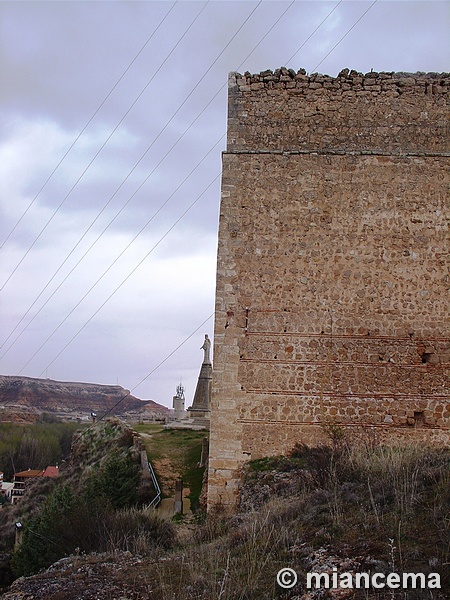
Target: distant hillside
x,y
25,398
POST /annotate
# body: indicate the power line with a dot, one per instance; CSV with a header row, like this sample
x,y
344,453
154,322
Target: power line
x,y
123,252
157,367
353,26
79,331
267,33
104,144
318,27
132,196
344,36
93,244
210,316
150,373
123,281
88,123
323,21
138,266
165,235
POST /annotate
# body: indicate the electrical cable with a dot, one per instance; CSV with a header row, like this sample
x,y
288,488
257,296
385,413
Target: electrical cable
x,y
217,177
149,374
88,123
104,144
79,331
156,368
123,281
329,14
210,316
318,27
233,37
344,36
120,186
117,257
123,252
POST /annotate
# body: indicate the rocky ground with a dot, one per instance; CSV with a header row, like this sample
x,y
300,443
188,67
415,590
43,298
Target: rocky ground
x,y
93,577
320,510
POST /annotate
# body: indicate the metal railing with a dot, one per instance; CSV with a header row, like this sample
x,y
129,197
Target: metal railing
x,y
157,499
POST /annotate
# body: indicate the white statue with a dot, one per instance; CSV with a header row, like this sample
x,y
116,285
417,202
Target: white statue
x,y
207,349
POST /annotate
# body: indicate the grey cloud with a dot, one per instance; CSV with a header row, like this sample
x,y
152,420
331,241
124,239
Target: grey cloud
x,y
59,60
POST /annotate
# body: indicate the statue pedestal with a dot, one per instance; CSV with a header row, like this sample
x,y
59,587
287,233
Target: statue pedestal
x,y
199,411
202,394
197,415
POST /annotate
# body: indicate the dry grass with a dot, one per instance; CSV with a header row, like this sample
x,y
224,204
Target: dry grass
x,y
359,508
378,509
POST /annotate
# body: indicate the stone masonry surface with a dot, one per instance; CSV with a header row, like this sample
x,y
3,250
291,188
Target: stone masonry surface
x,y
333,272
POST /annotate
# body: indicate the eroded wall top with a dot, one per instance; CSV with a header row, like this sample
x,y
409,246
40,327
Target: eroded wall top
x,y
385,113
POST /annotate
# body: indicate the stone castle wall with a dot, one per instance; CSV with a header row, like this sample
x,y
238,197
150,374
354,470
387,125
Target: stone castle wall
x,y
333,272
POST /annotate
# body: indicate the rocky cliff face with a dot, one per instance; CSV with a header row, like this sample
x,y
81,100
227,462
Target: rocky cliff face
x,y
25,398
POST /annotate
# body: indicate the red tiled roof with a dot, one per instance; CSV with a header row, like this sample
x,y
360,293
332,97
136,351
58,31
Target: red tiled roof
x,y
51,472
30,473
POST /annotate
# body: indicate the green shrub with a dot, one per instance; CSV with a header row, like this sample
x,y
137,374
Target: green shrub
x,y
48,536
68,524
116,481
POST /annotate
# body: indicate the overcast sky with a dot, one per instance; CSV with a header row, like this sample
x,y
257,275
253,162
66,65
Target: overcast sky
x,y
112,124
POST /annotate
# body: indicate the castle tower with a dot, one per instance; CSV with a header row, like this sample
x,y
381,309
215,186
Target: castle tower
x,y
332,271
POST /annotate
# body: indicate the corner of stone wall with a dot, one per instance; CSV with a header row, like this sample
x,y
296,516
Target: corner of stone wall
x,y
232,81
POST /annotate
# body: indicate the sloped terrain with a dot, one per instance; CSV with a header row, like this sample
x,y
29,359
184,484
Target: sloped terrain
x,y
318,510
96,505
175,454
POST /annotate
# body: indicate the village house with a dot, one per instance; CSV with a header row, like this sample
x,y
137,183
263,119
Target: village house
x,y
5,487
21,480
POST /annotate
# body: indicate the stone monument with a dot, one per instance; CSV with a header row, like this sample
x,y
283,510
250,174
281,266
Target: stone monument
x,y
197,416
199,411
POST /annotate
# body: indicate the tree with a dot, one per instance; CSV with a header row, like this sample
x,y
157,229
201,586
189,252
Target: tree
x,y
48,536
117,481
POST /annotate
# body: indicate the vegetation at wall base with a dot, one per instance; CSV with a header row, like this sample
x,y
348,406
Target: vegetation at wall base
x,y
350,508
